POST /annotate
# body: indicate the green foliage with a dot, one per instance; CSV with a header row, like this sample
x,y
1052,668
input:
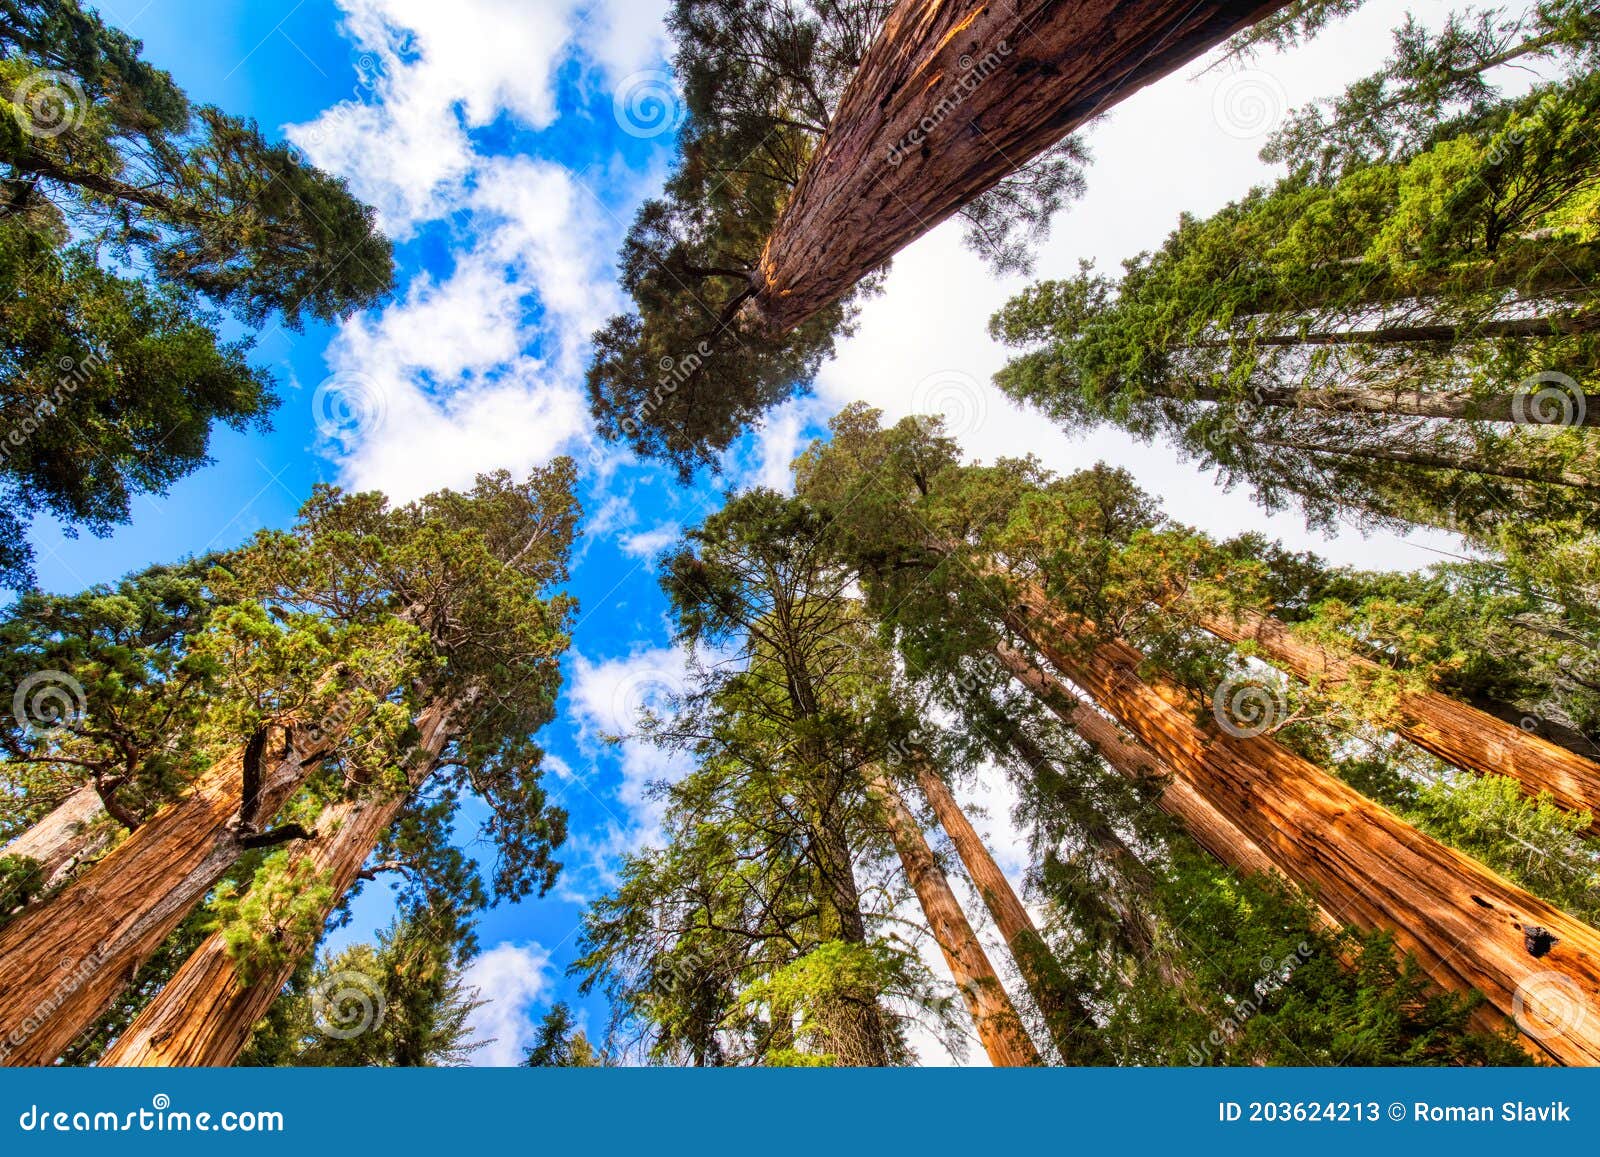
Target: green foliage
x,y
559,1043
405,992
685,371
124,213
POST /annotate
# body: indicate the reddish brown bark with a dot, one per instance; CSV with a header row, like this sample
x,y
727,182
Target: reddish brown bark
x,y
205,1014
1448,728
951,97
995,1018
71,835
62,961
1210,828
1070,1021
1467,926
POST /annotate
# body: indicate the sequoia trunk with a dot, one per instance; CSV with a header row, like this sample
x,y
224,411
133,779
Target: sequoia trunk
x,y
1467,926
60,843
994,1016
205,1014
1448,728
62,961
1071,1024
951,97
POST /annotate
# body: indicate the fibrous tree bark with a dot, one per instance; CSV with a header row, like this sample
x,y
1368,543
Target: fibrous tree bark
x,y
1071,1023
1470,928
65,839
66,958
951,97
1457,733
205,1014
999,1027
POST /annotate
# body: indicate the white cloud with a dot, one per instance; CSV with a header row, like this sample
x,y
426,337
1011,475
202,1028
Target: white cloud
x,y
511,979
433,71
922,345
647,544
607,698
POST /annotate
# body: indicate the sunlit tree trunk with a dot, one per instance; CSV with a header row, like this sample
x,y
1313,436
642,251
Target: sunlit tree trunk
x,y
1069,1019
951,97
205,1014
62,961
1457,733
71,835
1467,926
1397,403
999,1027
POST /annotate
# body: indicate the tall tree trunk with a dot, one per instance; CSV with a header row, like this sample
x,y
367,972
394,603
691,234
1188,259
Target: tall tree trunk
x,y
1070,1022
1466,462
1395,403
951,97
1448,728
205,1014
999,1027
1467,926
1212,830
62,961
853,1023
70,835
1518,327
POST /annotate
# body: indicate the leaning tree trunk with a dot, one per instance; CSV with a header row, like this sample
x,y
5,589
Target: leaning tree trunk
x,y
1070,1022
205,1014
1209,828
1448,728
1466,925
62,961
993,1015
951,97
1394,403
1468,463
73,833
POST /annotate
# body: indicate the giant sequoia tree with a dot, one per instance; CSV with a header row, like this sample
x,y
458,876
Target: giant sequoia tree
x,y
823,138
339,634
1403,329
1070,570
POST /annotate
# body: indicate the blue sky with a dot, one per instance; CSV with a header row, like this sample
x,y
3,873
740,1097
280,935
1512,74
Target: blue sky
x,y
507,144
